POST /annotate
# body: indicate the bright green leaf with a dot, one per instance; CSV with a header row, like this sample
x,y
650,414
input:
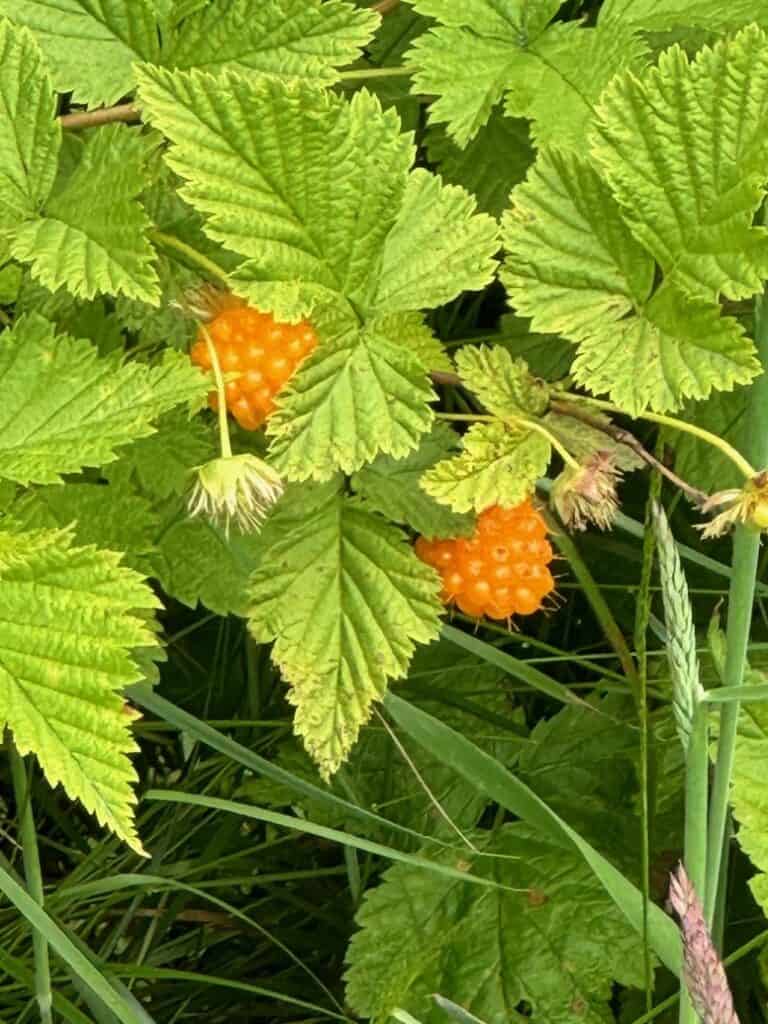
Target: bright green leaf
x,y
684,150
90,44
360,393
64,407
92,235
555,942
583,441
576,269
30,135
499,465
504,385
391,486
660,15
345,599
288,38
70,619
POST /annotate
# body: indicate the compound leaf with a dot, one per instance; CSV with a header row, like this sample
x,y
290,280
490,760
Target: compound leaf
x,y
684,151
30,135
499,465
65,407
90,44
71,617
391,486
92,236
288,38
491,952
345,599
360,393
575,268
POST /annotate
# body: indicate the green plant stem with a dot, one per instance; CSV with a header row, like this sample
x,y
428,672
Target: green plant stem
x,y
728,450
746,551
362,74
599,605
523,421
34,879
224,439
203,262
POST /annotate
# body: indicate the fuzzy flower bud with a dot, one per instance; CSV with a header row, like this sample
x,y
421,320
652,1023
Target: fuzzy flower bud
x,y
704,972
588,494
235,488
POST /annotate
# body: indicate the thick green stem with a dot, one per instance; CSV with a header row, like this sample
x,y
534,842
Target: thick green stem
x,y
34,879
746,548
696,806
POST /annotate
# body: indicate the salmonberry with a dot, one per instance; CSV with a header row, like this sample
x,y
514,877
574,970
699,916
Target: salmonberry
x,y
266,354
501,570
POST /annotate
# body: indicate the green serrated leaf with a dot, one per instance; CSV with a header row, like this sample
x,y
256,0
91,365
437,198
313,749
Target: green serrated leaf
x,y
65,407
697,124
10,282
304,39
410,331
437,240
79,607
163,463
659,15
345,599
90,45
391,486
548,355
490,165
302,182
499,465
577,270
360,393
110,517
488,50
699,463
30,135
91,237
504,385
197,564
422,935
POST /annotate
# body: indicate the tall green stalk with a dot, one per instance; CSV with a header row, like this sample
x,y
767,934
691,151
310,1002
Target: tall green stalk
x,y
34,879
746,548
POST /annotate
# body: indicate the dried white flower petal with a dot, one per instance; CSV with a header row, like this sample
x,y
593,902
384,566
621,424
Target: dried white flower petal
x,y
238,489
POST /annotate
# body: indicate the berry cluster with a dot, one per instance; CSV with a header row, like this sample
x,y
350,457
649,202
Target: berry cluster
x,y
501,570
266,354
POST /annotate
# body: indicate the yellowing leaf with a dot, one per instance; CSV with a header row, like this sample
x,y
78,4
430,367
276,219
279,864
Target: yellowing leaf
x,y
499,465
345,599
71,617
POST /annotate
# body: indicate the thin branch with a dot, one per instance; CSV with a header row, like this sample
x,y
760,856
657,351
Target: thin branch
x,y
125,112
385,6
445,377
624,437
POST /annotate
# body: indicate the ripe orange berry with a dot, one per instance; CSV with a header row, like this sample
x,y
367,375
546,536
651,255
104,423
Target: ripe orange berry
x,y
501,570
264,352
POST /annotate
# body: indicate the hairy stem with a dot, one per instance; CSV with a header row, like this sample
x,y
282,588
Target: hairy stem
x,y
224,439
746,548
626,438
195,257
745,467
34,878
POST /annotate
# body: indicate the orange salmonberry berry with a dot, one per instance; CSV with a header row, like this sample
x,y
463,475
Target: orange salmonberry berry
x,y
501,570
266,354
